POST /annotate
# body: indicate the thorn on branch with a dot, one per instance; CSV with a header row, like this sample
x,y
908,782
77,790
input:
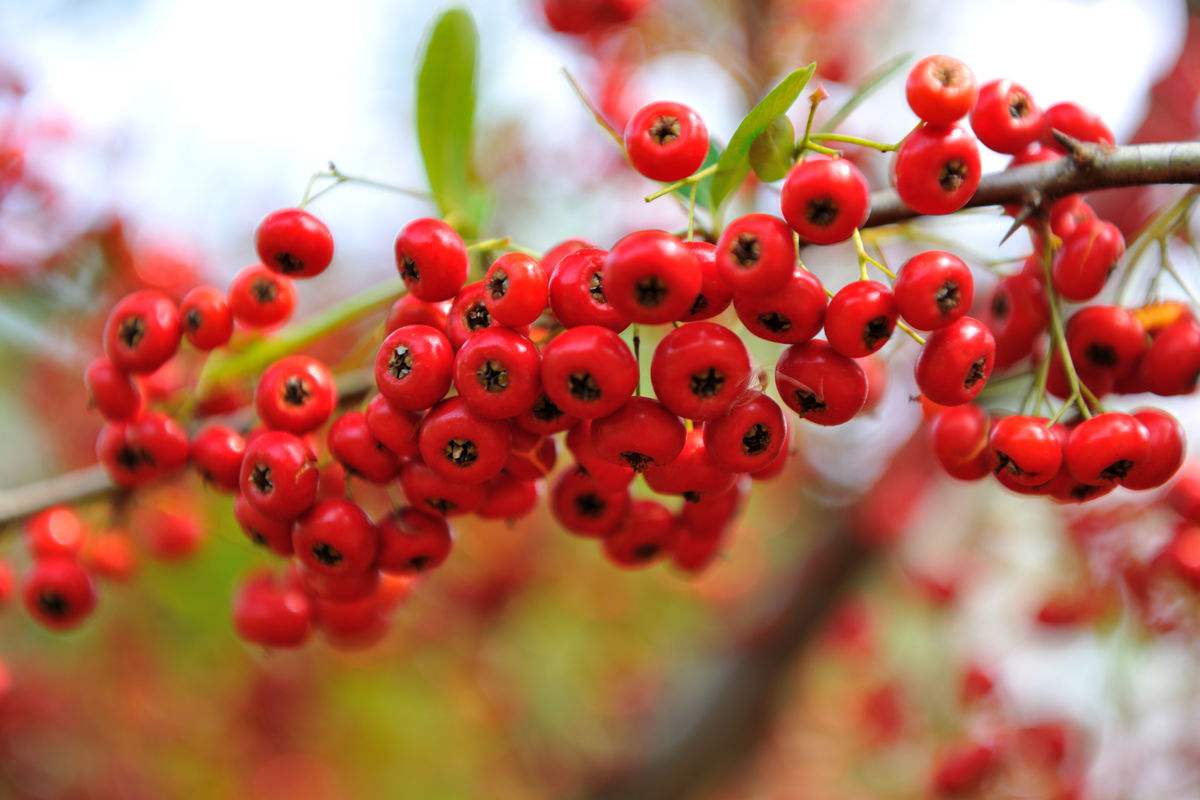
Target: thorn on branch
x,y
1082,153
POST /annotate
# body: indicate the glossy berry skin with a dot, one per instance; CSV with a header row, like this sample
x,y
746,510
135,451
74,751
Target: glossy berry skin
x,y
694,475
1106,448
1106,339
756,254
714,512
335,537
554,256
937,169
295,394
749,437
609,475
1172,362
643,537
1005,118
530,461
462,446
55,532
956,362
142,331
577,292
544,417
699,370
279,474
714,295
1074,121
429,491
114,394
588,372
508,498
1088,256
820,384
1016,315
468,315
272,613
432,259
640,434
666,141
207,320
860,318
126,465
824,200
356,449
394,428
960,441
217,452
158,439
584,508
412,541
259,298
933,289
792,315
1025,449
58,593
414,367
1166,446
498,373
293,242
265,530
940,89
410,310
514,289
650,277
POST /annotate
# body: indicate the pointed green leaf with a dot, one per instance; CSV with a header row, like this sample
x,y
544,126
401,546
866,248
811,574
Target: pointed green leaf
x,y
771,153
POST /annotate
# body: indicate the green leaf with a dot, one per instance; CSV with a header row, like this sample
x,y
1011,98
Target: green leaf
x,y
734,165
445,114
867,87
771,153
704,198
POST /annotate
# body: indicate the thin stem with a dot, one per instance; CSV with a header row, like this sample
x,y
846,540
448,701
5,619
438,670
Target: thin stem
x,y
1062,410
1056,325
1035,398
338,177
596,115
814,100
822,149
499,243
691,232
637,354
1174,273
912,334
692,179
882,147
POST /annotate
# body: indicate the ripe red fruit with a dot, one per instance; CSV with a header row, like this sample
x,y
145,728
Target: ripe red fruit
x,y
1074,121
515,289
581,17
1025,449
640,434
699,370
714,296
356,449
756,254
1171,364
1167,444
126,465
650,277
694,474
55,532
610,476
508,498
749,437
533,460
498,373
1106,448
544,417
432,259
1005,118
265,530
819,383
293,242
207,320
577,293
554,256
956,362
279,474
169,536
158,440
336,537
429,491
588,372
666,141
462,446
58,593
962,768
468,315
933,289
259,298
644,536
394,428
412,541
860,318
584,508
108,555
1087,258
217,452
340,588
791,315
1016,315
114,394
937,170
941,89
693,551
414,367
824,200
295,394
960,441
272,613
411,310
714,512
1105,339
142,331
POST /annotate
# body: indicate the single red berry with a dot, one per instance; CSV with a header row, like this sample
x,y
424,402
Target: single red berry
x,y
429,491
960,441
643,537
110,556
142,332
462,446
412,541
1171,364
217,452
933,289
640,434
582,507
699,370
779,463
171,537
508,498
259,298
498,373
207,320
824,200
265,530
554,256
271,613
469,315
356,449
432,259
126,465
650,277
749,437
1074,121
1069,214
1164,453
941,90
588,372
860,318
293,242
1016,315
295,394
353,624
694,474
515,289
819,383
414,367
1088,256
1106,338
937,169
279,474
666,141
530,462
714,295
791,315
610,476
1005,118
756,254
114,394
693,551
337,588
394,428
55,532
714,512
1106,448
1025,449
159,440
411,310
336,537
58,593
577,294
956,362
544,417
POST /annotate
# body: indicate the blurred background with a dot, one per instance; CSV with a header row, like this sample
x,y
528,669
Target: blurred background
x,y
140,143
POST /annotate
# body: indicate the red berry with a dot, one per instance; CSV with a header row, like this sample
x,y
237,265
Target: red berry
x,y
126,465
1171,364
259,298
462,446
271,613
693,475
217,452
1106,339
714,296
1068,215
693,551
1106,448
266,530
609,475
1005,117
529,462
338,588
279,474
414,367
394,428
544,417
411,310
749,437
640,434
108,555
792,315
588,372
819,383
429,491
336,537
1087,258
666,141
941,90
508,498
295,394
412,541
714,513
432,259
293,242
468,315
699,370
824,200
1016,315
515,289
960,441
159,440
207,320
55,532
1025,450
356,449
498,373
577,294
1074,121
1164,453
650,277
554,256
112,391
142,332
584,508
956,362
963,768
937,170
933,289
860,318
756,254
171,537
643,537
58,593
